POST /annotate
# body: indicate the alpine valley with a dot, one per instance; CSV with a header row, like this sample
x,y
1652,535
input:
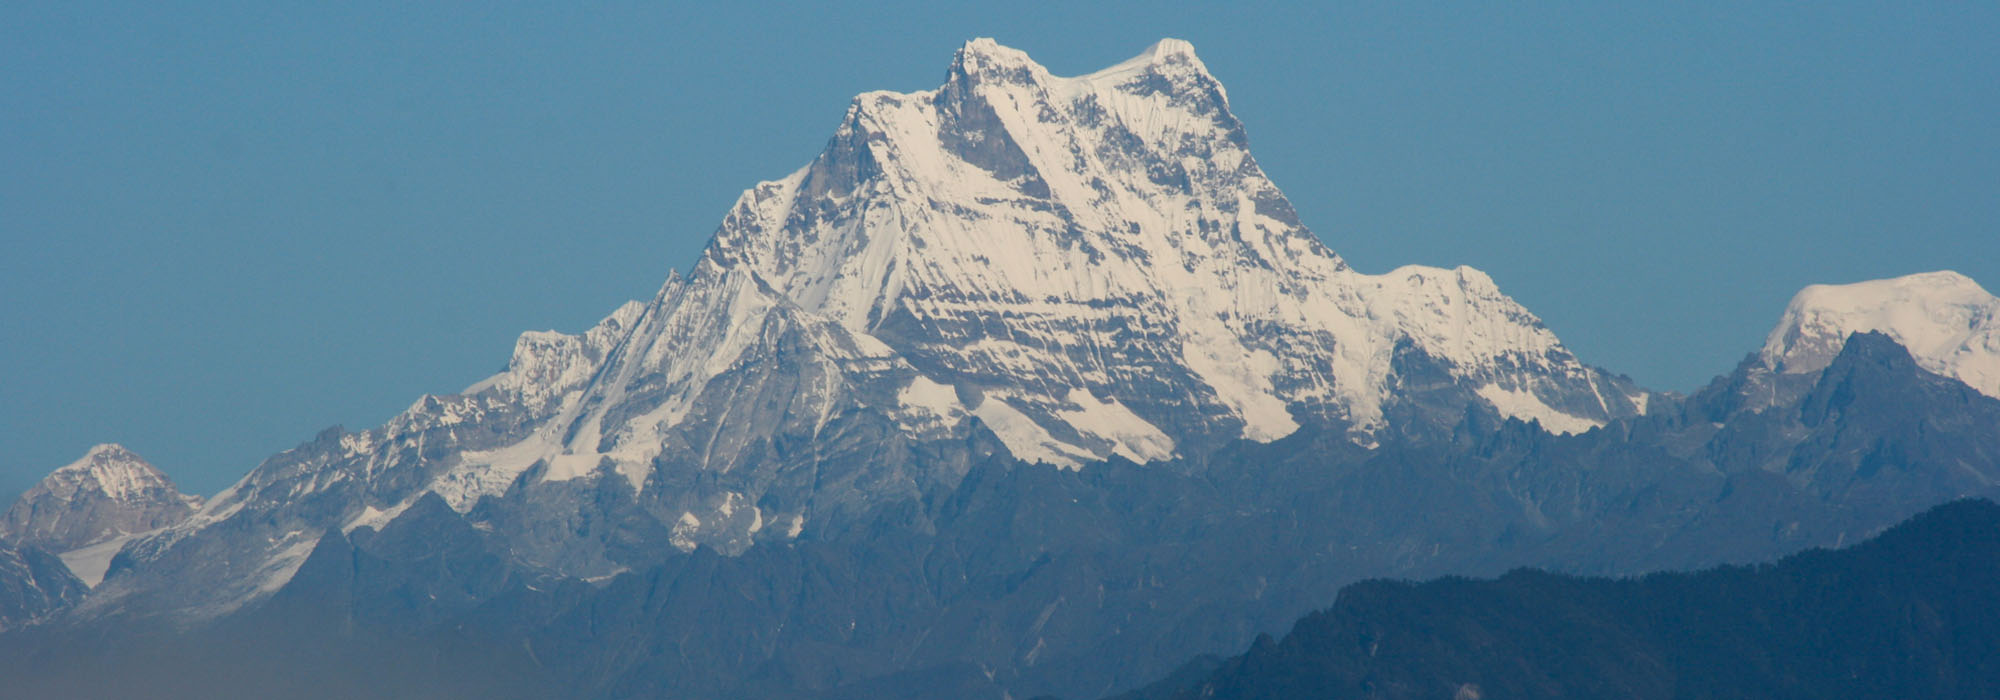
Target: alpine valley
x,y
1026,385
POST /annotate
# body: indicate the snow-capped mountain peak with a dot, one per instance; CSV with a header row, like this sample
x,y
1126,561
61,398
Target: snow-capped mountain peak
x,y
107,494
1017,201
111,471
1949,323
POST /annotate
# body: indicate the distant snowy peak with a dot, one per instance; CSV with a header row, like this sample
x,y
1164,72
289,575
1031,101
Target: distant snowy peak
x,y
1947,321
107,494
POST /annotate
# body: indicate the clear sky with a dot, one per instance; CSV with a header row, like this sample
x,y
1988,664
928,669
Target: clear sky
x,y
225,226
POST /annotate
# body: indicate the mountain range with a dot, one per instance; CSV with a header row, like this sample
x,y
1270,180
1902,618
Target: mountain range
x,y
1027,384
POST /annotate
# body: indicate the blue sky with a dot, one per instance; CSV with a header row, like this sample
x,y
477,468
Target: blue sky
x,y
225,226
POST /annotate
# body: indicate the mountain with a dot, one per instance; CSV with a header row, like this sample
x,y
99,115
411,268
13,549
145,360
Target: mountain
x,y
107,494
1102,255
1912,613
1064,270
1948,322
89,508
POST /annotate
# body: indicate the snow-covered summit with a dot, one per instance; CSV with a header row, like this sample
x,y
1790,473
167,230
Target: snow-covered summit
x,y
1950,325
107,494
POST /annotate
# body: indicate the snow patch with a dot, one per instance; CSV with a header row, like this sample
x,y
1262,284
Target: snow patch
x,y
481,473
89,564
1524,405
939,400
1242,379
1131,436
375,517
1028,440
682,536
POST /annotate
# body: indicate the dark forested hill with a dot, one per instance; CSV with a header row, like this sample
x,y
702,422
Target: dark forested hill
x,y
1914,613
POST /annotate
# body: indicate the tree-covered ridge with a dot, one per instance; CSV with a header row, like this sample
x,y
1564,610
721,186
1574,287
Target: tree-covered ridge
x,y
1913,613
